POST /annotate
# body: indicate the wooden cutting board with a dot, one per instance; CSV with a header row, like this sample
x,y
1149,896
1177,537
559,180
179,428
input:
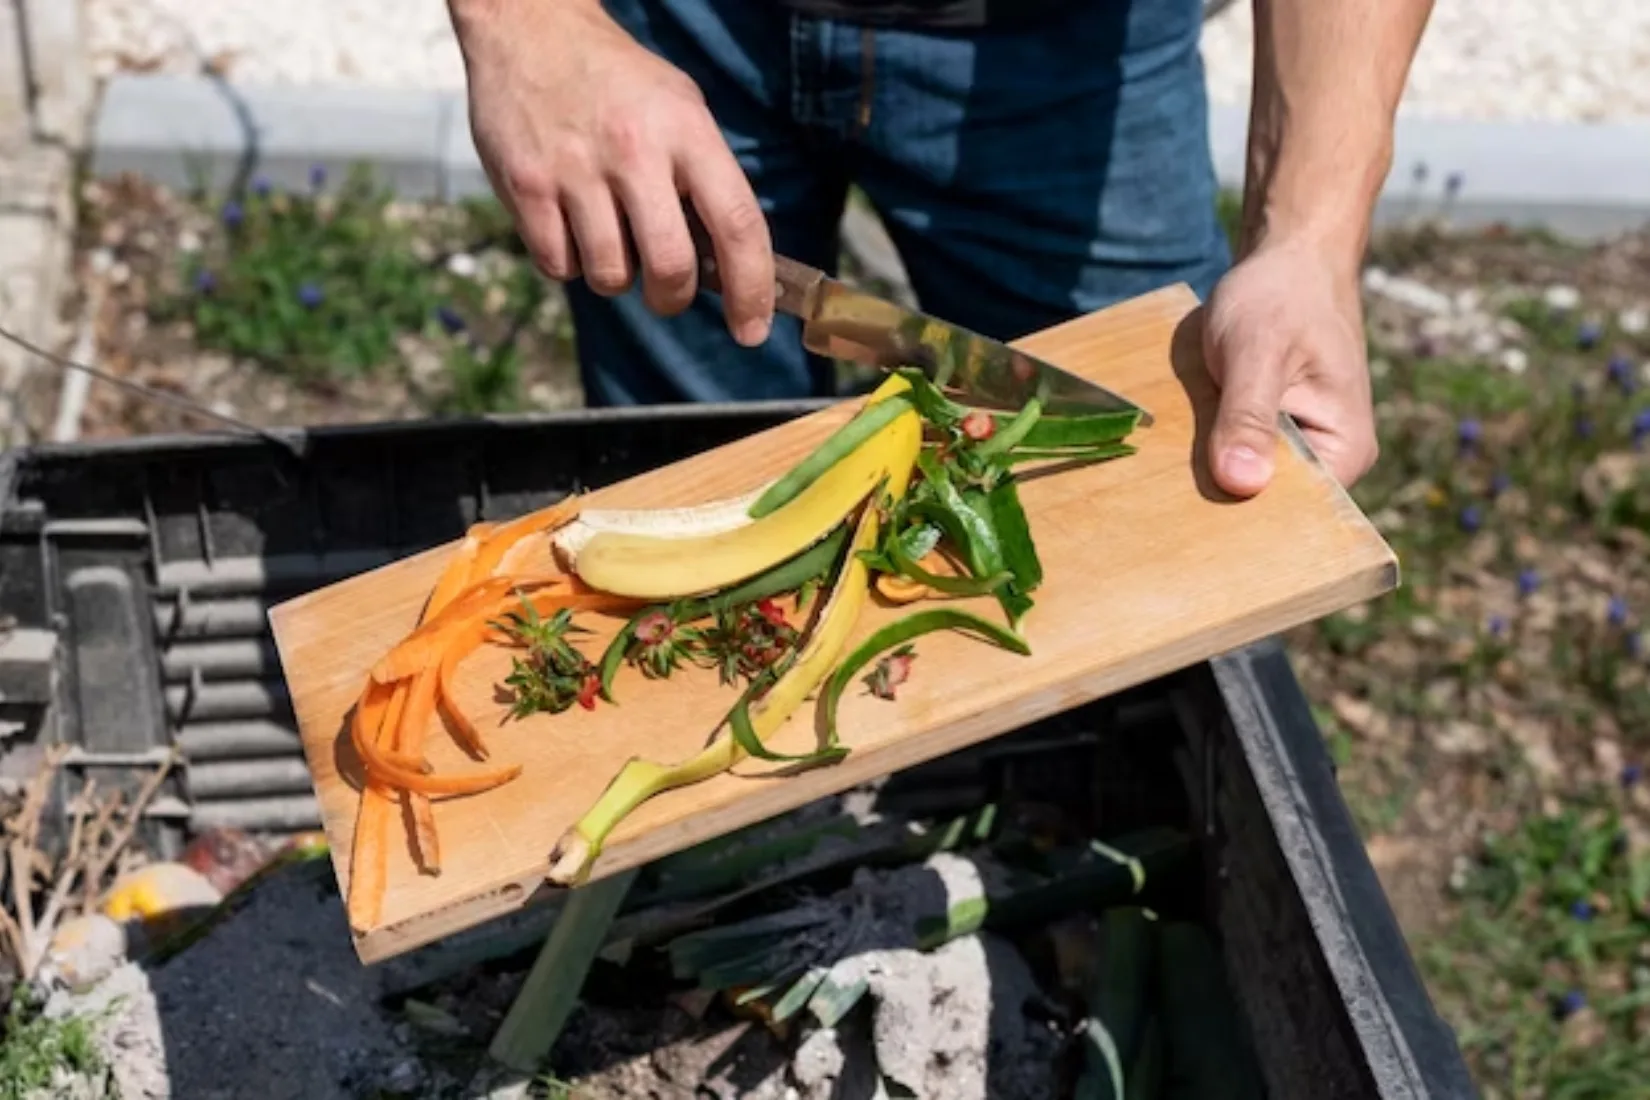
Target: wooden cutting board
x,y
1148,569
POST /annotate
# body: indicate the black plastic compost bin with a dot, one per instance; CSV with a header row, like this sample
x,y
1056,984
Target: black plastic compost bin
x,y
135,577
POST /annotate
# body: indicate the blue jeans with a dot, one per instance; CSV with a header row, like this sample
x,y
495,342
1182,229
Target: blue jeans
x,y
1026,176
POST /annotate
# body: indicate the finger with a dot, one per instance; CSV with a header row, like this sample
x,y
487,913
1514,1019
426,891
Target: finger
x,y
1243,444
669,271
545,232
598,229
723,198
1346,458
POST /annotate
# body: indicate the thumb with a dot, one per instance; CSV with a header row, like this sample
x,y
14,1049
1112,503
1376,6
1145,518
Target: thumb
x,y
1243,444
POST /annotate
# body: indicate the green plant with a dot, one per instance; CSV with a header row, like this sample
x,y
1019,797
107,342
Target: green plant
x,y
34,1046
317,284
1544,968
340,283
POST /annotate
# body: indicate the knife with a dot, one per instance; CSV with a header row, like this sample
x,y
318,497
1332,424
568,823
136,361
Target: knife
x,y
843,323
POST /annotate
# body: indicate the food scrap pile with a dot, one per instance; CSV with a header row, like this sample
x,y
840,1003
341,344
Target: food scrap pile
x,y
916,497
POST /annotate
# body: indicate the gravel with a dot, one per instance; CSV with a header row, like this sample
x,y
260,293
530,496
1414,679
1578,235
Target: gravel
x,y
1524,59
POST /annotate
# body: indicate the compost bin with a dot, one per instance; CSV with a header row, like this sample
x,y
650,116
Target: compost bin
x,y
135,576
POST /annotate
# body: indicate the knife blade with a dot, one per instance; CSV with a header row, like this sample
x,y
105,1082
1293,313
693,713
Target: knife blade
x,y
841,322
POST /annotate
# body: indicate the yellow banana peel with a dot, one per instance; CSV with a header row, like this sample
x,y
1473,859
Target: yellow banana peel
x,y
673,566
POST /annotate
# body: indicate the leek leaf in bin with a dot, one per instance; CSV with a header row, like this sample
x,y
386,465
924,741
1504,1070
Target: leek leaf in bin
x,y
1208,1046
1120,994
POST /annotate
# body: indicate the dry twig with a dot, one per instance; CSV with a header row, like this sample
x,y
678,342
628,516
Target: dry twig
x,y
100,832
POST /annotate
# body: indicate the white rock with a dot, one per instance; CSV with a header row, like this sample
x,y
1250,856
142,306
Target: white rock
x,y
462,264
1515,360
85,950
1413,294
1634,321
1485,342
1561,297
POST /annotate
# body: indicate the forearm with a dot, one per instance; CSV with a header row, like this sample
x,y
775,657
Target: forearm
x,y
472,18
1328,76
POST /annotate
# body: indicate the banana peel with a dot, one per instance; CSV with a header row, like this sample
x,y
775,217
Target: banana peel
x,y
896,446
668,565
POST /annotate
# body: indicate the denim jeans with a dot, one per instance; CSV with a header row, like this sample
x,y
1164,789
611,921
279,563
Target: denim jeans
x,y
1026,176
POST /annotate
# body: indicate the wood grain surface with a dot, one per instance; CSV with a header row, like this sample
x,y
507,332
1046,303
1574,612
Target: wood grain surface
x,y
1149,569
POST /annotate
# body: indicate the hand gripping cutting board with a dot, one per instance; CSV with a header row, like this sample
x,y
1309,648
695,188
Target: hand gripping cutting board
x,y
1148,569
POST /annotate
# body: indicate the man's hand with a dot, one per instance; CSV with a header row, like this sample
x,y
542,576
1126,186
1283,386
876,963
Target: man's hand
x,y
583,132
1284,333
1285,327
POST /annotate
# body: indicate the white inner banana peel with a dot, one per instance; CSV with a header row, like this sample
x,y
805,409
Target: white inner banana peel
x,y
715,518
657,565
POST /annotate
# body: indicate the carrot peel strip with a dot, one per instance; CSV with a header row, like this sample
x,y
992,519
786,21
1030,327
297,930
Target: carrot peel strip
x,y
455,576
409,740
369,851
416,650
388,774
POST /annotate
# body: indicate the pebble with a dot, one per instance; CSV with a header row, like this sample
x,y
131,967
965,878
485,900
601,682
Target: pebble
x,y
462,265
1412,293
1556,59
1561,297
86,949
1485,342
1515,360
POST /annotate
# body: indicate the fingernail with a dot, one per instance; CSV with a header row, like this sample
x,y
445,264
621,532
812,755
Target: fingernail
x,y
751,333
1246,467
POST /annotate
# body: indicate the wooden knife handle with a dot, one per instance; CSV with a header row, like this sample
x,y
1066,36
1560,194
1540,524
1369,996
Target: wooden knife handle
x,y
793,283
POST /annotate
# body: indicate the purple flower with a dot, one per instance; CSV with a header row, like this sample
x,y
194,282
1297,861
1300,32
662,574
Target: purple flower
x,y
1570,1004
1469,432
1618,611
1472,518
317,176
1582,911
451,321
1631,774
1500,483
1453,183
205,282
1588,335
233,214
1528,581
1584,427
260,187
1641,425
1621,373
1497,625
309,295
